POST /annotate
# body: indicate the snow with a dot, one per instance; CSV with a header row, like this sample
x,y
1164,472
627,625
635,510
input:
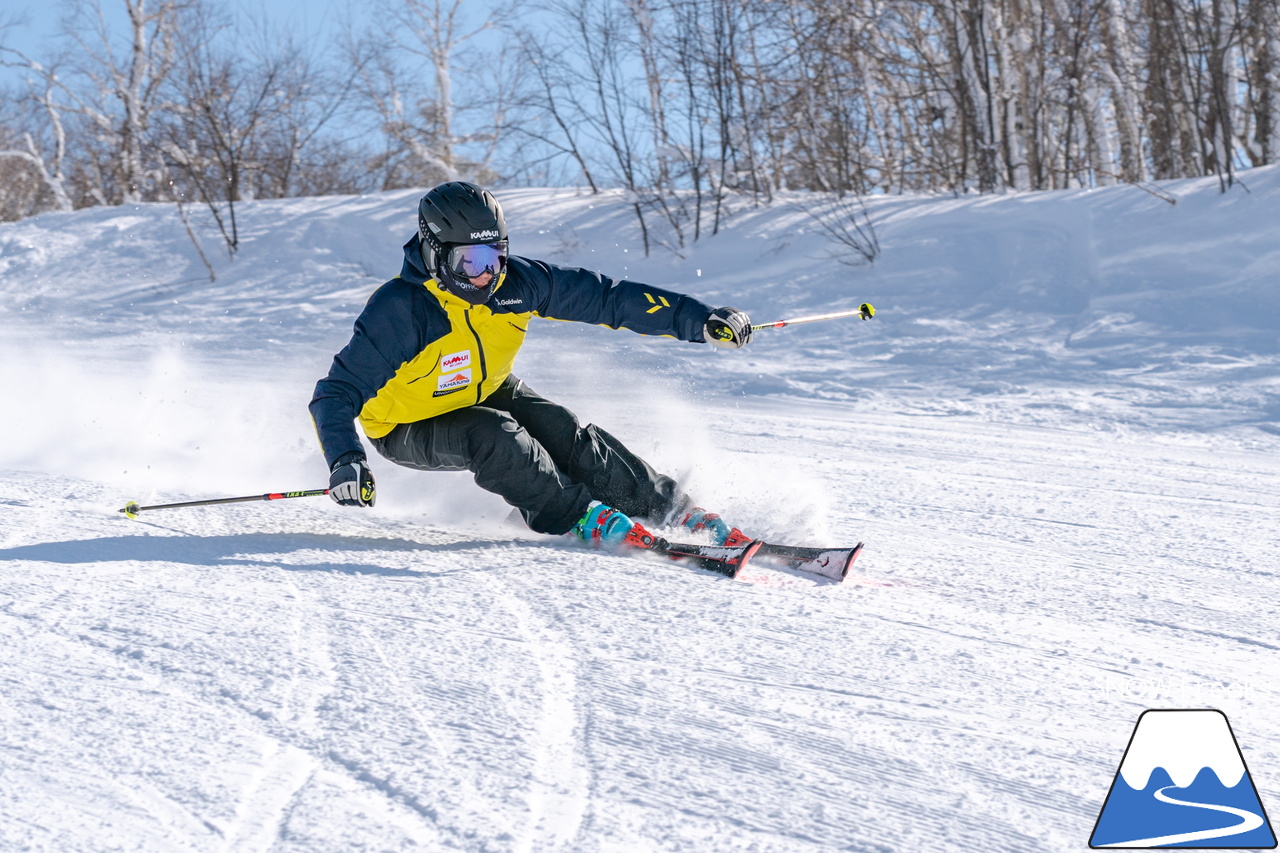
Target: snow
x,y
1058,438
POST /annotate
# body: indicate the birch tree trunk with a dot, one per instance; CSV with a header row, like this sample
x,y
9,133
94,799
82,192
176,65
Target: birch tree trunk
x,y
1120,71
1262,77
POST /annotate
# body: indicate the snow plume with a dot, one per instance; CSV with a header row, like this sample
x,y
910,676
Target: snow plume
x,y
156,422
161,425
665,400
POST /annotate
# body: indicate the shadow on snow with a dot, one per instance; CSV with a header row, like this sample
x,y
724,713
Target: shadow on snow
x,y
247,549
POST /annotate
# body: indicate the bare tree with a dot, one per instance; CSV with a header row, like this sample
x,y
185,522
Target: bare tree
x,y
549,112
30,182
1260,127
687,105
242,111
118,92
220,103
586,72
434,40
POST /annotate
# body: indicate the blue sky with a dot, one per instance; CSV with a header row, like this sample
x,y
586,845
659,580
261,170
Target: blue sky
x,y
309,14
315,17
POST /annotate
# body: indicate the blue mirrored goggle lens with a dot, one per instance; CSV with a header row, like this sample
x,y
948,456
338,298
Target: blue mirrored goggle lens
x,y
474,260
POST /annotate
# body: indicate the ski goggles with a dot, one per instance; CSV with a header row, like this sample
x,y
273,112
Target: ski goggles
x,y
475,259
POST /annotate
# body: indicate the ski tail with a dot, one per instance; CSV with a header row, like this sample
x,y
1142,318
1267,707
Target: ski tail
x,y
727,560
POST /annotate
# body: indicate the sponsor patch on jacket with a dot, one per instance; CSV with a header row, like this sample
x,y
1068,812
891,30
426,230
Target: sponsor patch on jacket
x,y
456,361
452,381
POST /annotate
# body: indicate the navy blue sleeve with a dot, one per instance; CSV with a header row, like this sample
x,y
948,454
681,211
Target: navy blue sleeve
x,y
388,333
572,293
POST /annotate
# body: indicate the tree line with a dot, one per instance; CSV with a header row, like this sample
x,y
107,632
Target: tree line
x,y
685,104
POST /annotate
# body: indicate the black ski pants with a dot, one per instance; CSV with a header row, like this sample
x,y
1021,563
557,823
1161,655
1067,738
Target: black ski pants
x,y
534,454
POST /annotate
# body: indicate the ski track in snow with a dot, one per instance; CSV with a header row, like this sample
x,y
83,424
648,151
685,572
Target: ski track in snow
x,y
1069,480
558,786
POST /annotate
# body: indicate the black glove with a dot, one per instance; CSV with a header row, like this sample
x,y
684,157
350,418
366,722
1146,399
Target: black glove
x,y
351,481
728,327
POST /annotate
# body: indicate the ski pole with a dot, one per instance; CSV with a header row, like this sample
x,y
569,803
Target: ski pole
x,y
131,509
865,311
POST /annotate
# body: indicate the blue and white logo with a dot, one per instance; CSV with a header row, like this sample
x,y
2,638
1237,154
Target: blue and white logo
x,y
1183,783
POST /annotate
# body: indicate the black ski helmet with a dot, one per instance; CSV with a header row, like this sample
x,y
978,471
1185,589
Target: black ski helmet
x,y
458,214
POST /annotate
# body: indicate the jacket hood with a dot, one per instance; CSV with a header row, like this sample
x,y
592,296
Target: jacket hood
x,y
414,269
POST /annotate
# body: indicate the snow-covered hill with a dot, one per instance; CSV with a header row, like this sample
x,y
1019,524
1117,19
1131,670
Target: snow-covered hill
x,y
1058,438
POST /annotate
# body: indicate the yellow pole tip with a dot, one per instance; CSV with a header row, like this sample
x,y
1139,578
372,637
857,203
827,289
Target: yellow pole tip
x,y
131,509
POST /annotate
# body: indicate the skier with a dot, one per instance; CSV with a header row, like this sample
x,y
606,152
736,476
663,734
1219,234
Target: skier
x,y
427,373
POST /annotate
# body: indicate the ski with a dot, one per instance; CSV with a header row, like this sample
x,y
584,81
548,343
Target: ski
x,y
830,563
728,560
827,564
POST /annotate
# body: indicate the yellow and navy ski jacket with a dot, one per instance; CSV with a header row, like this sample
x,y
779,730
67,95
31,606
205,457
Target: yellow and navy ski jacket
x,y
419,351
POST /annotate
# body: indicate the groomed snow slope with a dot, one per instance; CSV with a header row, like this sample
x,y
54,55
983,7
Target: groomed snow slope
x,y
1058,438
